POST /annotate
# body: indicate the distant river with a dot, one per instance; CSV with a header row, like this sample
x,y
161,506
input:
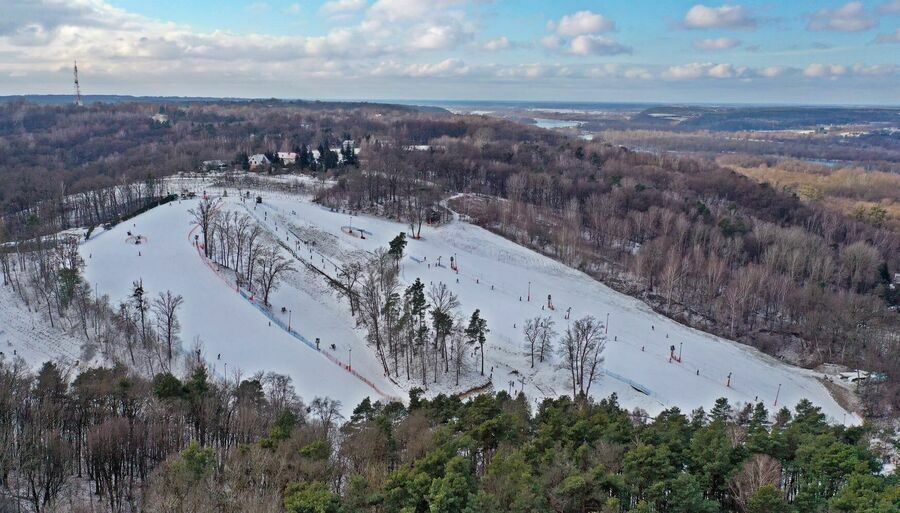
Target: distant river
x,y
556,123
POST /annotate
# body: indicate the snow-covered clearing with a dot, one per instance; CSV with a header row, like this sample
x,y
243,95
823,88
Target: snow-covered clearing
x,y
494,276
26,334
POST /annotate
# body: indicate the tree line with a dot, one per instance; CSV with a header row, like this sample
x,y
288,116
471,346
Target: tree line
x,y
107,439
49,153
236,241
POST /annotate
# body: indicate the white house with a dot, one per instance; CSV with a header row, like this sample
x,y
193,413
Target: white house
x,y
287,157
160,118
258,160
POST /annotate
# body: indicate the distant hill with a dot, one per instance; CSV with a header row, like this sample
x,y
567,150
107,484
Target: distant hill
x,y
63,99
761,118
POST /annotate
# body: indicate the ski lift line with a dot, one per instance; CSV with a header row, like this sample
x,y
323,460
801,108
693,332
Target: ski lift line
x,y
305,241
281,324
718,381
293,333
477,277
312,345
309,263
689,368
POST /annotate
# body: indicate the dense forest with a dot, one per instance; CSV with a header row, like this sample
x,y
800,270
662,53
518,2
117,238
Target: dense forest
x,y
865,195
108,440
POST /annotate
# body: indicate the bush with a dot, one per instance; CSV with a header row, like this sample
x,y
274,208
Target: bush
x,y
312,497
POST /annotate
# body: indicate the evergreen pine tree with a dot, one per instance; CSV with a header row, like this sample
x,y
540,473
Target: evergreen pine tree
x,y
475,334
721,411
396,247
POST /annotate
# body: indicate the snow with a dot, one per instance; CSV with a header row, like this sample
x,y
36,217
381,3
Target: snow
x,y
556,123
24,334
223,320
494,276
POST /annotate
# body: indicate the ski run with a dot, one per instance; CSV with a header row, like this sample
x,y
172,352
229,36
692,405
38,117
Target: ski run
x,y
238,336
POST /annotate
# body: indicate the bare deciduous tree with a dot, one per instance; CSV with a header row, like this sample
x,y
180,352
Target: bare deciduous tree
x,y
351,274
272,265
758,471
582,347
204,216
538,333
165,307
377,303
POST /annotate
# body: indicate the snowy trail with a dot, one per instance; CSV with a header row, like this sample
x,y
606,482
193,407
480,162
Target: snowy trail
x,y
233,333
494,276
494,273
289,329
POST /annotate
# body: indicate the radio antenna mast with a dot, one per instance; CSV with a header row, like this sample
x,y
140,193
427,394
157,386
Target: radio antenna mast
x,y
78,101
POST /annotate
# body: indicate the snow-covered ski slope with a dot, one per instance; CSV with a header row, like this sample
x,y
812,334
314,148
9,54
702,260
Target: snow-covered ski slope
x,y
494,276
236,337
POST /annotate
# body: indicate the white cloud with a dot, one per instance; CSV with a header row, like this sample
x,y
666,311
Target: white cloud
x,y
333,7
581,23
500,43
818,70
721,43
444,68
111,42
773,71
596,45
613,71
705,70
551,42
637,73
697,70
532,70
51,16
874,69
723,71
850,17
825,70
727,16
889,37
439,36
687,71
583,30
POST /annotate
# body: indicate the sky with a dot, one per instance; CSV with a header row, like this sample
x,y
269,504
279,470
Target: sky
x,y
797,52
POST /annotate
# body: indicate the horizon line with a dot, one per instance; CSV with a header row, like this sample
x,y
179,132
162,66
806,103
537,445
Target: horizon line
x,y
438,102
